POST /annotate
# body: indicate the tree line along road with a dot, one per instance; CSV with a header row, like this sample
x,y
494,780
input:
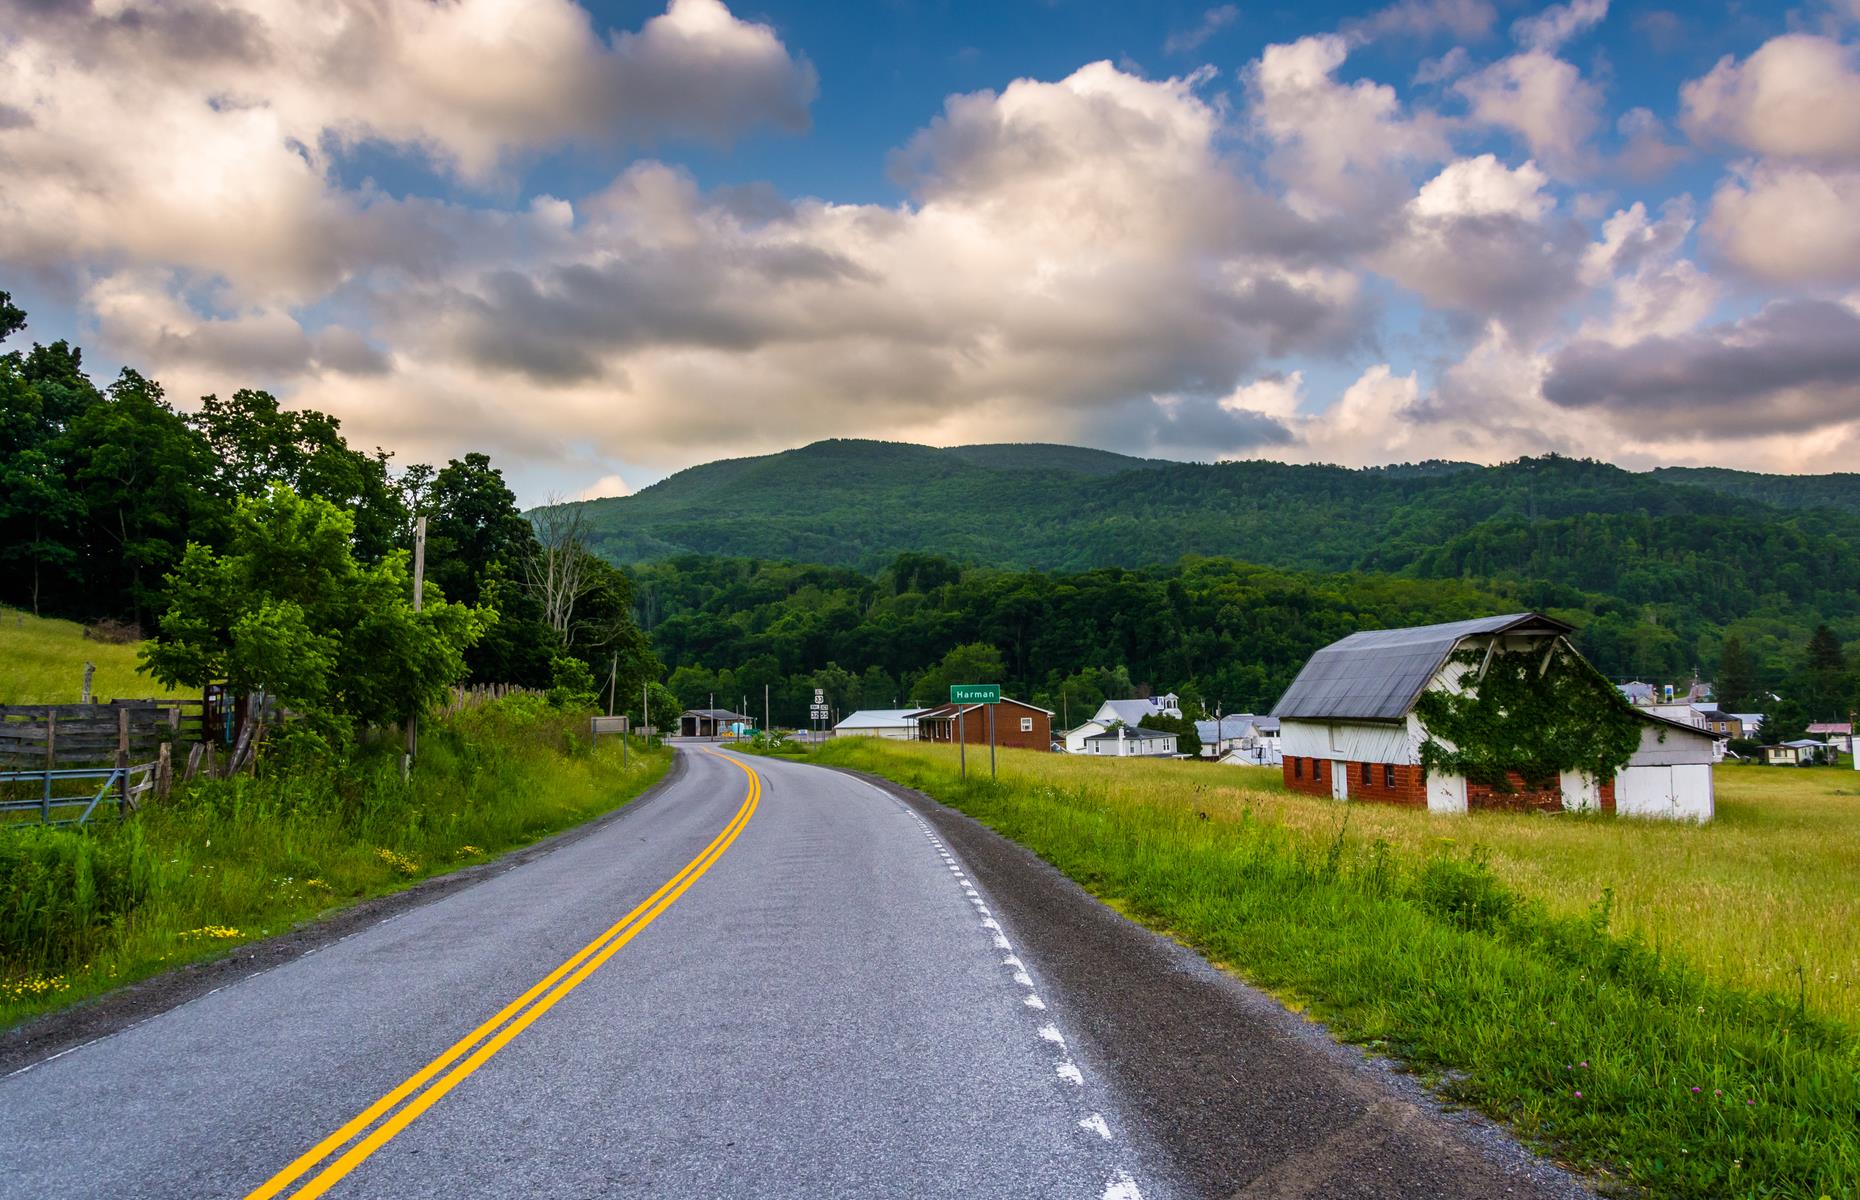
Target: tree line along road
x,y
764,979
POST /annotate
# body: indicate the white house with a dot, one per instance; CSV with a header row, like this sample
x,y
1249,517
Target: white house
x,y
1349,728
1075,737
894,723
1131,741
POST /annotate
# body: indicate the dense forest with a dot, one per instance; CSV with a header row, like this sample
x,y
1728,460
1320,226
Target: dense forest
x,y
1220,633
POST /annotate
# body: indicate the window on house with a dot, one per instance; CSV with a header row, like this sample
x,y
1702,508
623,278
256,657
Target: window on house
x,y
1388,775
1026,724
1317,769
1364,774
1298,768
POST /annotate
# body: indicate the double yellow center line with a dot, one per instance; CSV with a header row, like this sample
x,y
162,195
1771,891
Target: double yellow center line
x,y
435,1079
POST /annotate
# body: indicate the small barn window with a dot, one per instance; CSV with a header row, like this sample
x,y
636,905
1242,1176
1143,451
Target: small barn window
x,y
1317,769
1026,724
1364,774
1298,767
1388,775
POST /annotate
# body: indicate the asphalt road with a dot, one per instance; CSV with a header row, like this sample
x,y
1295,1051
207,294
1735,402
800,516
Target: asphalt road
x,y
763,980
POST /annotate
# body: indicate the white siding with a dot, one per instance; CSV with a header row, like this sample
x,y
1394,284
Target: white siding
x,y
1676,747
1446,793
1356,741
1675,791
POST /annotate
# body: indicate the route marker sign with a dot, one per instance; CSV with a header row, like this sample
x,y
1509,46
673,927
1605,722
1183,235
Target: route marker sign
x,y
975,693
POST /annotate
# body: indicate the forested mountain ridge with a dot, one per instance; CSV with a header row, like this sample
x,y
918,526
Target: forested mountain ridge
x,y
1635,537
1838,491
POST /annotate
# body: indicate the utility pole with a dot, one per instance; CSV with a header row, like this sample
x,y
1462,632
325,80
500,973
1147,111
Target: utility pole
x,y
419,592
765,710
645,718
613,681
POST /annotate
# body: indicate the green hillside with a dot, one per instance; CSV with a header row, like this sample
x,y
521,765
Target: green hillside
x,y
1840,491
1641,538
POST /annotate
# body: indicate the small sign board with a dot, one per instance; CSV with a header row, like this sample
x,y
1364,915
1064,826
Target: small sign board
x,y
975,693
820,695
819,712
601,725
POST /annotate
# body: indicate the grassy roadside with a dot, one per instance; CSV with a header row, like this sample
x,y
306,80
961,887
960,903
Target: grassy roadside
x,y
1625,1059
229,861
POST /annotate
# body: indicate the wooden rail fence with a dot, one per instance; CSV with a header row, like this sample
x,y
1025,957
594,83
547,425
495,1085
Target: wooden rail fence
x,y
124,750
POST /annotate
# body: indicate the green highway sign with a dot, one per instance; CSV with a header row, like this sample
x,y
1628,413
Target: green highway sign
x,y
975,693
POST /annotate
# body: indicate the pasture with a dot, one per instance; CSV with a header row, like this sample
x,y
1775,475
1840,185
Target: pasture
x,y
42,662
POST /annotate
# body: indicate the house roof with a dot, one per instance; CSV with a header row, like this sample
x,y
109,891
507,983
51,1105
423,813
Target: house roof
x,y
1654,718
1132,733
1831,727
1132,711
949,710
715,714
1377,675
878,718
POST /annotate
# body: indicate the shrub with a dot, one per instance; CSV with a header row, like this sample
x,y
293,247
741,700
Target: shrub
x,y
62,889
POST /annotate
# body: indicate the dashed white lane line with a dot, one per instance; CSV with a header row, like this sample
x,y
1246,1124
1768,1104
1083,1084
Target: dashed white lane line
x,y
1120,1185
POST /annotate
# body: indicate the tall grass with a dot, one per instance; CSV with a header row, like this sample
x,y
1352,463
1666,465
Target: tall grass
x,y
226,861
1525,992
42,662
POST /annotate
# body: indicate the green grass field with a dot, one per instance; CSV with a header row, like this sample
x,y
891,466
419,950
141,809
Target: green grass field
x,y
42,662
1672,1007
228,861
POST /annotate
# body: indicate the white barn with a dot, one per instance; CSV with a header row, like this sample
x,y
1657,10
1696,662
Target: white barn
x,y
1349,728
894,723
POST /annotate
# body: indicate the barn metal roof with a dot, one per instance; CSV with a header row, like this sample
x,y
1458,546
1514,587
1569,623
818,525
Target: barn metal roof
x,y
1378,674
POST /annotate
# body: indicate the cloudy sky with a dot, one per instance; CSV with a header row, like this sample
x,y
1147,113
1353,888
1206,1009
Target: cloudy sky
x,y
607,242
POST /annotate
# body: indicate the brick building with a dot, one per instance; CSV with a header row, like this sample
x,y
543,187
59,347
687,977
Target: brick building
x,y
1018,725
1349,730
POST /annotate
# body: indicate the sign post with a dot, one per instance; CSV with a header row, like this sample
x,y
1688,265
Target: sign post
x,y
973,694
819,711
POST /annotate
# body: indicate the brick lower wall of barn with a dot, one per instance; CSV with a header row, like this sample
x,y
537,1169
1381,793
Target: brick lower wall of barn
x,y
1312,777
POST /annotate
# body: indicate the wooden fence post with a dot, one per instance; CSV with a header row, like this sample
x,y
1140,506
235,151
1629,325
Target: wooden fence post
x,y
193,761
51,762
123,803
164,771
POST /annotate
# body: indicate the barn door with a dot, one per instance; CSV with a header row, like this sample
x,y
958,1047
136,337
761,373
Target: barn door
x,y
1339,779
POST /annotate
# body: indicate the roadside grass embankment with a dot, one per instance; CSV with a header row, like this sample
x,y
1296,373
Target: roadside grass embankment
x,y
1505,957
227,861
42,662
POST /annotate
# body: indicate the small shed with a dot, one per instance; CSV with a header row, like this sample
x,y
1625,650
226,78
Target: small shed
x,y
897,724
1670,774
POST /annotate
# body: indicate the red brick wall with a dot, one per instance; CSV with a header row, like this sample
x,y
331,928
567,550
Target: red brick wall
x,y
1007,727
1410,787
1313,782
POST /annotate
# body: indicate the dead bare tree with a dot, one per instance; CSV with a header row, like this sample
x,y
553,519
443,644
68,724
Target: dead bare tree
x,y
557,569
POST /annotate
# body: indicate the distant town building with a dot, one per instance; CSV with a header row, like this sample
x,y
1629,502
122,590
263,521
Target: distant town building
x,y
1132,712
1017,724
1839,734
1240,739
712,722
1803,752
1131,741
1350,731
